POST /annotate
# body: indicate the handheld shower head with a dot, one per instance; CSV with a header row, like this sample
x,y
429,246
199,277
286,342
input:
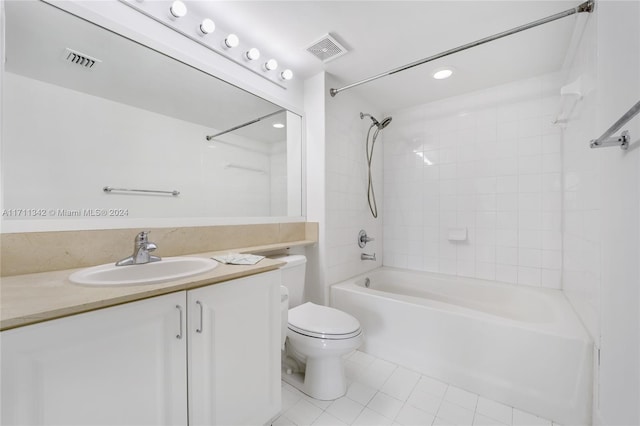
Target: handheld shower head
x,y
385,122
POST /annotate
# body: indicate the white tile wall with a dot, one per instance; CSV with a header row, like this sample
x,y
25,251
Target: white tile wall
x,y
490,162
347,211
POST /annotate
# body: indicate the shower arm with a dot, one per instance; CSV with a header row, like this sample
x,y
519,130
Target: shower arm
x,y
587,6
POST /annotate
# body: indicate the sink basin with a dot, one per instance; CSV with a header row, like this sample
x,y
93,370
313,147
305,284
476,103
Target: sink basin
x,y
168,269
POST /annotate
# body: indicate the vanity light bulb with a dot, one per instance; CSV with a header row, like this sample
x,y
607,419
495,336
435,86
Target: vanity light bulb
x,y
252,54
178,9
286,75
270,65
231,41
207,26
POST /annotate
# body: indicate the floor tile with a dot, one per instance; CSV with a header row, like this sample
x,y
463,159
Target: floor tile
x,y
345,409
424,401
362,358
383,393
481,420
456,414
386,405
411,416
369,417
323,405
360,393
432,386
327,419
303,413
521,418
495,410
377,373
442,422
401,383
289,399
461,397
283,421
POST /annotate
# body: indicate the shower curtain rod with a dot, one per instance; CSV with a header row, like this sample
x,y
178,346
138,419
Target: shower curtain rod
x,y
583,7
240,126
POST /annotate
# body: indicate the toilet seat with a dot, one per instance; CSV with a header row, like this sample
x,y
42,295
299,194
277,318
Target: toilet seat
x,y
323,322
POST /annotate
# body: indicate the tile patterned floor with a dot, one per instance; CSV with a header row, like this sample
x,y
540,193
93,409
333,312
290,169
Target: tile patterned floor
x,y
383,393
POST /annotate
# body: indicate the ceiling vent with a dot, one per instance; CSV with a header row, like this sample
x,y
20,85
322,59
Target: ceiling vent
x,y
327,48
80,59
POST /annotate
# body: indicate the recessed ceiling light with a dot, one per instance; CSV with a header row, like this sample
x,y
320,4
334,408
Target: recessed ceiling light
x,y
278,125
442,74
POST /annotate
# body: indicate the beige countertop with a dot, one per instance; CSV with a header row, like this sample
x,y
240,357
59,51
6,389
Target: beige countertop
x,y
31,298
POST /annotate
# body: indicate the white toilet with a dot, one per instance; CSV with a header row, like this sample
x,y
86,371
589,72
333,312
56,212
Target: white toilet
x,y
317,337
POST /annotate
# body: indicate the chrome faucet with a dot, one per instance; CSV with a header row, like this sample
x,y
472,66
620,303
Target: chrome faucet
x,y
365,256
141,251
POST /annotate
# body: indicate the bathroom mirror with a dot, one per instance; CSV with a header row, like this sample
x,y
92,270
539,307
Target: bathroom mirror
x,y
86,109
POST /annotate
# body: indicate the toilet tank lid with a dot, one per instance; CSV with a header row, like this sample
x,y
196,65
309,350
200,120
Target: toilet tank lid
x,y
292,260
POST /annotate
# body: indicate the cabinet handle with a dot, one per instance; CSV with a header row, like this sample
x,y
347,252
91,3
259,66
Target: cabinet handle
x,y
199,330
179,336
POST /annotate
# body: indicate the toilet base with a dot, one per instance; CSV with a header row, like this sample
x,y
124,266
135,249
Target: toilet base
x,y
325,382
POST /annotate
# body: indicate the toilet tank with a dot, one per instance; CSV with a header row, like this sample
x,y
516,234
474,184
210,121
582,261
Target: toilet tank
x,y
293,274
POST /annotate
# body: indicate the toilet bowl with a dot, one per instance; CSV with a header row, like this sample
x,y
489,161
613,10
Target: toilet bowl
x,y
317,338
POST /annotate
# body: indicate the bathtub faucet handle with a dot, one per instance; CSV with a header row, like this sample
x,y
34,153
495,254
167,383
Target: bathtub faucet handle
x,y
365,256
363,239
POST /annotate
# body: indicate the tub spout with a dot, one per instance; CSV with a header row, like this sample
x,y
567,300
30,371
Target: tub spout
x,y
365,256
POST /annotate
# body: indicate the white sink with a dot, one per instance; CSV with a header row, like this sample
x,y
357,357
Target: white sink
x,y
167,269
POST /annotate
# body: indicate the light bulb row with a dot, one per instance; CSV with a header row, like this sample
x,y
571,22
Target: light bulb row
x,y
178,9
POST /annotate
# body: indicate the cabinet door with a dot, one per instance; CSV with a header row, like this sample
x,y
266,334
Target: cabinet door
x,y
234,351
123,365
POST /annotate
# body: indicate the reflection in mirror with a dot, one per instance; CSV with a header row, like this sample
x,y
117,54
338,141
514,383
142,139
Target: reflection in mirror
x,y
85,108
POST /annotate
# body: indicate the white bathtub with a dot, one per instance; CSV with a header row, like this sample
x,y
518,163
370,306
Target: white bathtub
x,y
518,345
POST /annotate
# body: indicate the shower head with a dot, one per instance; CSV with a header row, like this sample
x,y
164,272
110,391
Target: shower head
x,y
385,122
381,125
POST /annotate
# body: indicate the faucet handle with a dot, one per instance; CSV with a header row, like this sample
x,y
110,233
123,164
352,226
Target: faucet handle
x,y
363,239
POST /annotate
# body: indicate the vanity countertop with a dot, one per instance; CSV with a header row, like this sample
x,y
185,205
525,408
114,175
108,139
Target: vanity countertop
x,y
31,298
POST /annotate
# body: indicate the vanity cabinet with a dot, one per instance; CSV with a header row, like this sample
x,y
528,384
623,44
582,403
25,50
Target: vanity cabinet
x,y
235,324
204,356
115,366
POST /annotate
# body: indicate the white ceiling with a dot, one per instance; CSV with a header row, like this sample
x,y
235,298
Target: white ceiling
x,y
382,35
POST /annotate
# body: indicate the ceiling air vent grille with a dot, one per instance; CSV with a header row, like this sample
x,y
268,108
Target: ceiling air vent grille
x,y
80,59
327,48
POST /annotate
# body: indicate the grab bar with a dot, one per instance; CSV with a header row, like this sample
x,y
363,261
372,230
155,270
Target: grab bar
x,y
146,191
623,140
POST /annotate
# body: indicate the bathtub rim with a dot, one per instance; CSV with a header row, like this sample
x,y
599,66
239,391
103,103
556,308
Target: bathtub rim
x,y
570,326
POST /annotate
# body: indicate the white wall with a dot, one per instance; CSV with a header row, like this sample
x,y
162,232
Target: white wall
x,y
489,162
337,186
314,105
346,185
602,196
